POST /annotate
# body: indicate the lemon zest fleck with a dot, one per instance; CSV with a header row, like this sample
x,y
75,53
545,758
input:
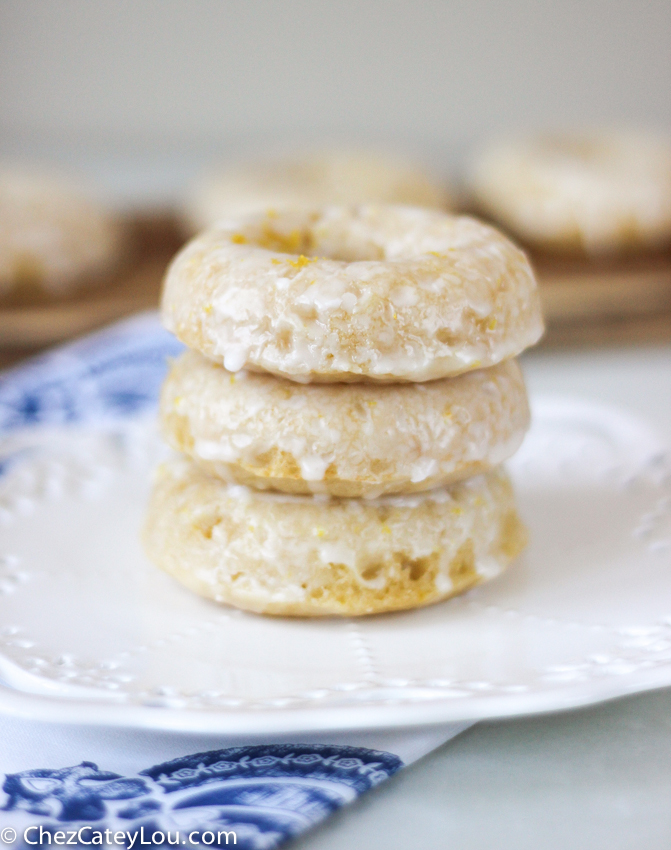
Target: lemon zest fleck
x,y
302,261
239,239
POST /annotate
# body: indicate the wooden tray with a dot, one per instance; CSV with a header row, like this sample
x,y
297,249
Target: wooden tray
x,y
578,289
603,302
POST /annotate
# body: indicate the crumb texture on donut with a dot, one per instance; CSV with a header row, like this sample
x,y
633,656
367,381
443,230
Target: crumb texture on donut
x,y
337,177
53,240
293,555
373,293
598,193
349,440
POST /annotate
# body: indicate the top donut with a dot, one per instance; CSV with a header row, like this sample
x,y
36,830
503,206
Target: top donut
x,y
371,293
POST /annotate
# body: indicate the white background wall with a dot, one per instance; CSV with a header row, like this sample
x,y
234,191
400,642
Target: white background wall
x,y
189,77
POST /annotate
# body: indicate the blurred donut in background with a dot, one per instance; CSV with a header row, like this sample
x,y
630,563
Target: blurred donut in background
x,y
54,239
593,193
336,177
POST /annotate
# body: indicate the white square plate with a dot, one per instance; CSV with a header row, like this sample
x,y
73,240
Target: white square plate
x,y
91,632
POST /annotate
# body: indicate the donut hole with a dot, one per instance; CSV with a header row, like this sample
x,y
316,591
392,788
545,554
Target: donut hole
x,y
308,236
288,239
347,247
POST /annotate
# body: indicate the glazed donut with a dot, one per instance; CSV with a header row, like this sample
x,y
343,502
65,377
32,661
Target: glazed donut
x,y
373,293
294,555
595,194
348,440
337,177
53,240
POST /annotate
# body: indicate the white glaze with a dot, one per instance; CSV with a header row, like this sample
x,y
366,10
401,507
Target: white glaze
x,y
442,295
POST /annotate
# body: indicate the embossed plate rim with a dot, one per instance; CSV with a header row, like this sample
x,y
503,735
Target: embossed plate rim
x,y
317,719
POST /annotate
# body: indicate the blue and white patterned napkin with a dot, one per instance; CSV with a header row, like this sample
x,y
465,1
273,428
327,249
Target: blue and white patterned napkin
x,y
83,786
114,373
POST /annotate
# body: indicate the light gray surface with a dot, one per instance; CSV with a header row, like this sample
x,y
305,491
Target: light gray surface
x,y
595,779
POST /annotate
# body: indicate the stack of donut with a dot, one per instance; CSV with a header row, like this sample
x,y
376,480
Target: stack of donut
x,y
348,397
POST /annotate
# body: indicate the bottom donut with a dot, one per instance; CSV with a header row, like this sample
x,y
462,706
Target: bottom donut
x,y
274,553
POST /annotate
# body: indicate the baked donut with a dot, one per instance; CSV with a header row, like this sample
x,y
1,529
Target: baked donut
x,y
336,177
348,440
53,240
372,293
595,194
292,555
